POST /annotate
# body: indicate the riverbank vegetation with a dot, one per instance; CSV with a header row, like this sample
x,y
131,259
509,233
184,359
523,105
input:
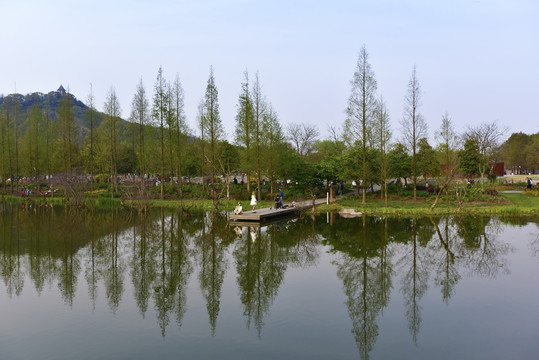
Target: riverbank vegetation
x,y
56,146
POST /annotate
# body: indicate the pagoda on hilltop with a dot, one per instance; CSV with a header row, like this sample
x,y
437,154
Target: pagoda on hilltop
x,y
61,90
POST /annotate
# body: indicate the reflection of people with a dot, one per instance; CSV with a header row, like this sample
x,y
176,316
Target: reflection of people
x,y
253,201
238,210
238,230
253,234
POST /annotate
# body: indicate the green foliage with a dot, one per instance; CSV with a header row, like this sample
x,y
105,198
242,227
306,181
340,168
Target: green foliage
x,y
399,163
469,159
427,161
531,192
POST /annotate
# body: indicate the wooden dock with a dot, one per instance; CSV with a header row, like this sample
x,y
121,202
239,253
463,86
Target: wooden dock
x,y
263,214
271,214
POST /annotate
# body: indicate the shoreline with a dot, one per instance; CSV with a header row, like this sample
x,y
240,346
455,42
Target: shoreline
x,y
514,204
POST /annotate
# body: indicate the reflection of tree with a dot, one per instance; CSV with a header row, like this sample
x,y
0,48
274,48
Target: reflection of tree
x,y
173,270
415,280
143,264
114,268
182,267
447,275
212,267
12,270
91,273
481,251
164,288
69,264
260,265
299,239
365,270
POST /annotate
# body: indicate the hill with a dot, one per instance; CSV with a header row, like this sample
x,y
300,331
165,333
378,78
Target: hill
x,y
48,102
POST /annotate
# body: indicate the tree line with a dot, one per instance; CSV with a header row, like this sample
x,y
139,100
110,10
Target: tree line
x,y
158,142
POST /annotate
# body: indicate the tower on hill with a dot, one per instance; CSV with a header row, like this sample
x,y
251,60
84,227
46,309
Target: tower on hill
x,y
61,90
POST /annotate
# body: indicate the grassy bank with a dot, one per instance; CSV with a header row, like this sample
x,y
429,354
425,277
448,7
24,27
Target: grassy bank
x,y
504,205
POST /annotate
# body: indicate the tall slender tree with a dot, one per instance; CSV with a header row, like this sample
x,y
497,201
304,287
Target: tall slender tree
x,y
272,139
413,124
67,133
245,127
91,117
49,136
112,126
159,114
171,132
213,129
16,113
140,114
447,141
33,142
259,108
180,126
361,107
7,141
201,121
382,133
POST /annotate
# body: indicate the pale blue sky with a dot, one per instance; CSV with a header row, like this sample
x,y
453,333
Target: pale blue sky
x,y
477,60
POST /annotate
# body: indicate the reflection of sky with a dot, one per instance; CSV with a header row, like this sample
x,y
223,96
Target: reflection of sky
x,y
494,317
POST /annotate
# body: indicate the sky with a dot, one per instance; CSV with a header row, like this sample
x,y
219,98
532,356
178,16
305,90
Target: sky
x,y
475,60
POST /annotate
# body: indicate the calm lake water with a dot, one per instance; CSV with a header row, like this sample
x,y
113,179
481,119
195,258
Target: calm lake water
x,y
120,285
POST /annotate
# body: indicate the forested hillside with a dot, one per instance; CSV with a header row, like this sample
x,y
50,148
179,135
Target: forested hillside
x,y
50,103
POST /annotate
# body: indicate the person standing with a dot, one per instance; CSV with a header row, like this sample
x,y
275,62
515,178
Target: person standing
x,y
281,197
253,201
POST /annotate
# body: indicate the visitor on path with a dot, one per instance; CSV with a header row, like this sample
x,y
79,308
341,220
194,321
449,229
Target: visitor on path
x,y
238,210
528,183
253,201
281,196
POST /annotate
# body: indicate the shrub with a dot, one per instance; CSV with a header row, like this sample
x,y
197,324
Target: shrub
x,y
531,192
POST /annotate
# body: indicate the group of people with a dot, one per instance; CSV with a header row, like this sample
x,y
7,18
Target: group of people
x,y
528,183
278,202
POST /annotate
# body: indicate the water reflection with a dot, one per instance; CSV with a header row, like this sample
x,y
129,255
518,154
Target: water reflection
x,y
157,254
366,274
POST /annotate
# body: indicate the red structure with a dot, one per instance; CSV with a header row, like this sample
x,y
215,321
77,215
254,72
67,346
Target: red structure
x,y
497,169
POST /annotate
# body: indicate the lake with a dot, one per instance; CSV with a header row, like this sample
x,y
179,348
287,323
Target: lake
x,y
115,284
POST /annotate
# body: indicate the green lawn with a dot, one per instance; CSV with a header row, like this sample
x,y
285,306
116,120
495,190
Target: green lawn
x,y
506,204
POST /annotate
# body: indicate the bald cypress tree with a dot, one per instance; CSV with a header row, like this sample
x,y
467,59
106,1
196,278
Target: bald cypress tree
x,y
245,127
67,148
112,127
140,114
213,128
413,124
159,115
361,109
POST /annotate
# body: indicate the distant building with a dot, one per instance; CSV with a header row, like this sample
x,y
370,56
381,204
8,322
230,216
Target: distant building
x,y
61,90
497,169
